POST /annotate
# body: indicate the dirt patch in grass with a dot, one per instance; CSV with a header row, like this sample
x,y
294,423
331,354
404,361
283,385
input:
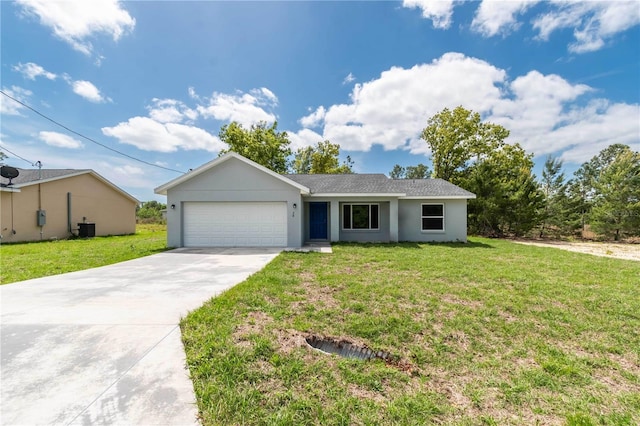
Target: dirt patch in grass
x,y
626,251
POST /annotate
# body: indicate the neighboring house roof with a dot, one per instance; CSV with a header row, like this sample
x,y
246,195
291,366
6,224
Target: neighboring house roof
x,y
162,189
28,177
379,184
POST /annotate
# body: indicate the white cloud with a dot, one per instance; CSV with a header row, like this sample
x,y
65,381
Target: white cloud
x,y
60,140
392,109
498,16
171,111
545,113
31,71
349,79
150,135
440,12
304,138
314,119
9,106
593,23
245,108
266,93
77,21
129,170
87,90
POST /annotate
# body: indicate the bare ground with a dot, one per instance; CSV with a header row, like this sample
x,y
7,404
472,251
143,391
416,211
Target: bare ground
x,y
617,250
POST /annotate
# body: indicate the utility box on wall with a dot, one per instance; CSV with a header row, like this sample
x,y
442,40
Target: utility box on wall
x,y
41,217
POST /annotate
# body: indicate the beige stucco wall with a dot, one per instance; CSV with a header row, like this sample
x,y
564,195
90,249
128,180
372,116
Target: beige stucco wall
x,y
111,211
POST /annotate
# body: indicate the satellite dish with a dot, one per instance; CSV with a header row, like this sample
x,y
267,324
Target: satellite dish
x,y
9,173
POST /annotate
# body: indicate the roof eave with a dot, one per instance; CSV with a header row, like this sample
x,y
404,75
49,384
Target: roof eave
x,y
439,197
359,194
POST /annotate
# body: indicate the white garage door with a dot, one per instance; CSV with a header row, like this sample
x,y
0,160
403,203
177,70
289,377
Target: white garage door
x,y
235,224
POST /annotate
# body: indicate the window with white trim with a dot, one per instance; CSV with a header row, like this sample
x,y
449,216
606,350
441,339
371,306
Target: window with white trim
x,y
360,216
432,217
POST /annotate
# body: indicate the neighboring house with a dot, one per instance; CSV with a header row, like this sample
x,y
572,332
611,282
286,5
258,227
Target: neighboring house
x,y
49,203
233,202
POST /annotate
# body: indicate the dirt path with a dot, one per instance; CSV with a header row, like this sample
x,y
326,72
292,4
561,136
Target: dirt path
x,y
617,250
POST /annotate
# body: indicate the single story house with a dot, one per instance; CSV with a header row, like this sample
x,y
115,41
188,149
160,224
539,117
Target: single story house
x,y
234,202
43,204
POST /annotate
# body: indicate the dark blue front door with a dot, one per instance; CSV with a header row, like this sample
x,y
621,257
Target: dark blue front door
x,y
317,221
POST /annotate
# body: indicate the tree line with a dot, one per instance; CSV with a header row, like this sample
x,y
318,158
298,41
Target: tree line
x,y
603,195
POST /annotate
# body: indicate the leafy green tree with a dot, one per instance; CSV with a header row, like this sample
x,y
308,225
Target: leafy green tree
x,y
508,198
457,136
261,143
556,215
324,158
474,155
410,172
302,161
150,211
583,188
417,172
398,172
616,208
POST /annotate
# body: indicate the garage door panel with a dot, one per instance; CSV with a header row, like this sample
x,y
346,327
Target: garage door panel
x,y
235,224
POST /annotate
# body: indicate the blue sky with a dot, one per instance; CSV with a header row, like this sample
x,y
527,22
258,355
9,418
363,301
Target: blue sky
x,y
157,79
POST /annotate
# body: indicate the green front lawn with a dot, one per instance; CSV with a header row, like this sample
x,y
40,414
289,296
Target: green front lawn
x,y
22,261
490,332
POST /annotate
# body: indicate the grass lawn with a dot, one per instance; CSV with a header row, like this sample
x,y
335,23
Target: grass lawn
x,y
490,332
22,261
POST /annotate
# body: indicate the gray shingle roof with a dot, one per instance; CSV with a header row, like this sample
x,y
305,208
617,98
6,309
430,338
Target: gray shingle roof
x,y
27,176
378,184
344,184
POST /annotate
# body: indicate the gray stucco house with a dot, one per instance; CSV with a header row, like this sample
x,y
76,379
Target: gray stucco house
x,y
234,202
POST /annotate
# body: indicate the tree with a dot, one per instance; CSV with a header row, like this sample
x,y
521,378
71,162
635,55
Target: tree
x,y
260,143
616,208
473,154
584,187
410,172
2,156
455,137
508,198
417,172
398,172
556,213
321,159
150,211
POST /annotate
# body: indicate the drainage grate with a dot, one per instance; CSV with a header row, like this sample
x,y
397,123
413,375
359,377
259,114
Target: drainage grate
x,y
344,348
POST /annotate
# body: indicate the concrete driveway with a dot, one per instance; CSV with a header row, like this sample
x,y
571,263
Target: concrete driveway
x,y
102,346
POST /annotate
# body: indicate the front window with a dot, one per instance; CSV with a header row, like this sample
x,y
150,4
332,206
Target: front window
x,y
360,216
433,217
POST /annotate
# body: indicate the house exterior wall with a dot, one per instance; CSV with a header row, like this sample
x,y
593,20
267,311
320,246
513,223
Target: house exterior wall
x,y
410,223
112,212
233,181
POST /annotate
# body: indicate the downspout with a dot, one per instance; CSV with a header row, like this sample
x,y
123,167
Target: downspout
x,y
39,164
40,208
69,213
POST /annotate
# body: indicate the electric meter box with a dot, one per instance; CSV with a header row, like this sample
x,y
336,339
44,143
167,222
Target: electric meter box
x,y
41,216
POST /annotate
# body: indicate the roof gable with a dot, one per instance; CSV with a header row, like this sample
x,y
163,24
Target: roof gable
x,y
162,189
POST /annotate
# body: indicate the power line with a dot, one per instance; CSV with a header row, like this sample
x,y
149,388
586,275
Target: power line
x,y
86,137
16,155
